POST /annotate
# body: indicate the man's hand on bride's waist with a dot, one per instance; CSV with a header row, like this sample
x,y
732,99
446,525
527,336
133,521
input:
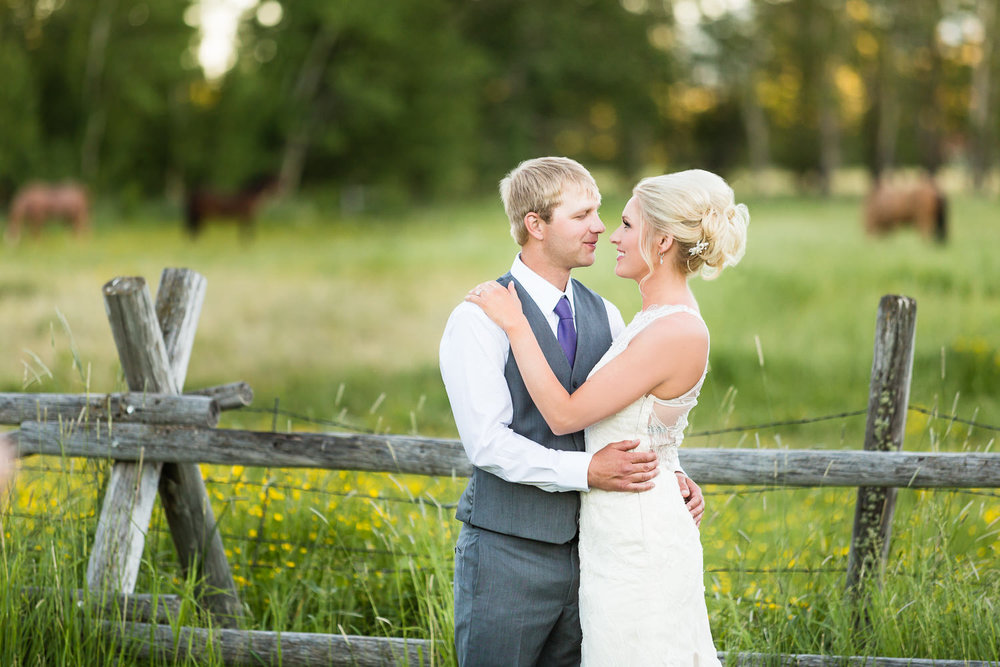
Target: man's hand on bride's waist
x,y
618,467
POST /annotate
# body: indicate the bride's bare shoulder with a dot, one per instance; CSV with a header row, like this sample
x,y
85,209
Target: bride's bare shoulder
x,y
677,327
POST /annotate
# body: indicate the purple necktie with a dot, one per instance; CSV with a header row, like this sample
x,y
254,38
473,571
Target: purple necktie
x,y
566,332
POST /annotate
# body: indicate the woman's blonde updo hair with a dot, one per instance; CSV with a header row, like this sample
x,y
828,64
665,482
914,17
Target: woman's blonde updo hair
x,y
697,208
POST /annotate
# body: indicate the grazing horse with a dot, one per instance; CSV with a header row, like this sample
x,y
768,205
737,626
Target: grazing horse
x,y
921,204
38,202
241,206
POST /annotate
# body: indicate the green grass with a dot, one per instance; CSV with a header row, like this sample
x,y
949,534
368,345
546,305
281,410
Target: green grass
x,y
339,319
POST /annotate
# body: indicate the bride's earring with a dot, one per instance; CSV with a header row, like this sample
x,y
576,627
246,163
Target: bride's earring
x,y
665,244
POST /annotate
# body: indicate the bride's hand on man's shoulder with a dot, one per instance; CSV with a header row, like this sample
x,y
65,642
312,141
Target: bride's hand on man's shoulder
x,y
502,305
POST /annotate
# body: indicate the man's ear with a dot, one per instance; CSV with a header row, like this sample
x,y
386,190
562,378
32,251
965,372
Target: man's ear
x,y
535,226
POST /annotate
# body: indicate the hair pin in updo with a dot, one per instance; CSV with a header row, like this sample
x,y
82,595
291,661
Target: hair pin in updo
x,y
698,247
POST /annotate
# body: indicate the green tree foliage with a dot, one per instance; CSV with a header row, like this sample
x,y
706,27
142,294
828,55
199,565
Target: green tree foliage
x,y
573,77
442,95
433,97
20,142
86,91
354,94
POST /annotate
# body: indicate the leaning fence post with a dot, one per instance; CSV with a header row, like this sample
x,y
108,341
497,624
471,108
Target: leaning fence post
x,y
888,397
131,491
182,489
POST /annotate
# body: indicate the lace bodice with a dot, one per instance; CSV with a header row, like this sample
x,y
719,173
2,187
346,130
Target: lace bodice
x,y
658,424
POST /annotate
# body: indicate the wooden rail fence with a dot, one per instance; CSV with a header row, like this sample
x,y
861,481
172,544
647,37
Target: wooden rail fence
x,y
158,435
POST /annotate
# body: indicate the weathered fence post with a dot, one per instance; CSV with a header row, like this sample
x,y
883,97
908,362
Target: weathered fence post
x,y
182,489
131,491
888,398
154,352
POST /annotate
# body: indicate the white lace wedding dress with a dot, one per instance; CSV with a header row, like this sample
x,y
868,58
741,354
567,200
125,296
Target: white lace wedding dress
x,y
642,592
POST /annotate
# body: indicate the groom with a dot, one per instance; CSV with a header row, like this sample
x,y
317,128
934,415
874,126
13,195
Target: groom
x,y
516,561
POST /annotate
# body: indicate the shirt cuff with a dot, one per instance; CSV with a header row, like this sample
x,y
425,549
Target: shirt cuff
x,y
576,467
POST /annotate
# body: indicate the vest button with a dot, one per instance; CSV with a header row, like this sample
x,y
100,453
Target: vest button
x,y
576,384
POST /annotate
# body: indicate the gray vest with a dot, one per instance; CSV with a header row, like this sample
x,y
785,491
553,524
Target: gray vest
x,y
523,510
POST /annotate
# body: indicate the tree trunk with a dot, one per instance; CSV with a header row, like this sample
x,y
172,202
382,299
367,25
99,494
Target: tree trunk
x,y
97,51
887,129
307,86
754,122
825,99
980,103
829,134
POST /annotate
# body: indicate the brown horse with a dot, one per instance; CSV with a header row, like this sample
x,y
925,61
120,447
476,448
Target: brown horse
x,y
921,204
241,205
38,202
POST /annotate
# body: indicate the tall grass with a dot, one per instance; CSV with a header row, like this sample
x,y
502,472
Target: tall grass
x,y
340,320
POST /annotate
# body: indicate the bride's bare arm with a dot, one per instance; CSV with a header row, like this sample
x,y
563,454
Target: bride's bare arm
x,y
661,359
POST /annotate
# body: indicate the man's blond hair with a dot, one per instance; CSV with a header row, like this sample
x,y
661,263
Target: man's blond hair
x,y
537,186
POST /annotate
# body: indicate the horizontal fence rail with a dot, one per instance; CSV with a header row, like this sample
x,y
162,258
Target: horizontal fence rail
x,y
143,607
200,407
429,456
260,647
127,407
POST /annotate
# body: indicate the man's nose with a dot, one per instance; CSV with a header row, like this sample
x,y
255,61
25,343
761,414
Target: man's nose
x,y
597,226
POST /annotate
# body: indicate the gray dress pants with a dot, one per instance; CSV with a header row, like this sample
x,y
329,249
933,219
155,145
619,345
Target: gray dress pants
x,y
516,601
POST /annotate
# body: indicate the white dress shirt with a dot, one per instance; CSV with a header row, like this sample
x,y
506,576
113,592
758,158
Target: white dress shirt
x,y
473,354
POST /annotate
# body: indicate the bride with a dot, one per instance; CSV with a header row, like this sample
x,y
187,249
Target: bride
x,y
641,576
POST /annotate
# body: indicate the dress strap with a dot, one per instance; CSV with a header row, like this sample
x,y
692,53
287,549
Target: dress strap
x,y
654,312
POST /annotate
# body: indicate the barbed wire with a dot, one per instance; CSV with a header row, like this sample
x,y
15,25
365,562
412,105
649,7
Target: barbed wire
x,y
43,468
746,492
281,487
247,539
777,570
279,412
32,468
46,517
971,492
953,418
276,412
325,492
934,413
774,424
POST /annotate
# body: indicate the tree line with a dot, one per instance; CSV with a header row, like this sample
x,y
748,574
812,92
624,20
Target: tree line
x,y
435,97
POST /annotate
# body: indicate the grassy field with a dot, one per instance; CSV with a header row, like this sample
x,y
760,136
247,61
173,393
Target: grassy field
x,y
338,319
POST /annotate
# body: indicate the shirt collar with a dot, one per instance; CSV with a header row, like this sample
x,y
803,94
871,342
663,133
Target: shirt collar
x,y
543,293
